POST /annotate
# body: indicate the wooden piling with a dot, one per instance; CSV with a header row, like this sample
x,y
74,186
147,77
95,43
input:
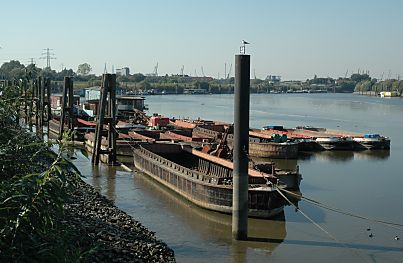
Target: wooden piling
x,y
108,88
67,106
31,104
40,106
47,104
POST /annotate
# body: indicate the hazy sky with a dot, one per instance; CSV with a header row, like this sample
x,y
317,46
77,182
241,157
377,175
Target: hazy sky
x,y
295,39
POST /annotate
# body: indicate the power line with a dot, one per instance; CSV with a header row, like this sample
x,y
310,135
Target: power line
x,y
48,56
32,61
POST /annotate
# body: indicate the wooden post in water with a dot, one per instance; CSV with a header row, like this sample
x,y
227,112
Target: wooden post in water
x,y
31,104
112,135
47,104
70,103
241,148
108,87
67,106
35,102
25,89
41,95
19,101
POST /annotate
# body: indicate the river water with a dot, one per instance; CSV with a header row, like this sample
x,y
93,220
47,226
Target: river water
x,y
367,183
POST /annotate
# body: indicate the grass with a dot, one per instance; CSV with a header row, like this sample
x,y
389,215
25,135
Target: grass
x,y
34,186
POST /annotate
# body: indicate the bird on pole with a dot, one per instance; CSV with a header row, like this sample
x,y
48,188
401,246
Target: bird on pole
x,y
243,49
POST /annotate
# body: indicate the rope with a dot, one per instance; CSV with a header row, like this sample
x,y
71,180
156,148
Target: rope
x,y
131,146
337,210
256,168
318,226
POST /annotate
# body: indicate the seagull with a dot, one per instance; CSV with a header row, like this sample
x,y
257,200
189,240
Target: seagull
x,y
368,229
397,238
245,42
371,235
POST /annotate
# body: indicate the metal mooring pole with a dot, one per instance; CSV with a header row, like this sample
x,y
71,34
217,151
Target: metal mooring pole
x,y
241,148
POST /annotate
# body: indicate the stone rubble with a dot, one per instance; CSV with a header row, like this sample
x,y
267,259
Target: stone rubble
x,y
120,238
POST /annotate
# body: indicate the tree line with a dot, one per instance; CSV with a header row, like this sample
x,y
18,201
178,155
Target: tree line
x,y
378,86
176,84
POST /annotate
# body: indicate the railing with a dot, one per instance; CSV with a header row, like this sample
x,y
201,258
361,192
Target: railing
x,y
179,168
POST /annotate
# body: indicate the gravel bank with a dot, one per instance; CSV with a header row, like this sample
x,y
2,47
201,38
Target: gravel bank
x,y
119,237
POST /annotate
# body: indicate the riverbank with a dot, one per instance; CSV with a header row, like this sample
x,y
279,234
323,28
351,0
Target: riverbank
x,y
49,214
373,93
120,238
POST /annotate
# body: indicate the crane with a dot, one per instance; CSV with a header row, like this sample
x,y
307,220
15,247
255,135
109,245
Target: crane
x,y
202,71
229,72
156,70
182,68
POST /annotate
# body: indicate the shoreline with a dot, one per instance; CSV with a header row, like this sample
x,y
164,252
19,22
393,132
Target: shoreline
x,y
119,237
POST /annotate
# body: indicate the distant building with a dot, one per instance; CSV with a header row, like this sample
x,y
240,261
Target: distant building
x,y
273,79
125,105
194,91
123,71
56,101
94,93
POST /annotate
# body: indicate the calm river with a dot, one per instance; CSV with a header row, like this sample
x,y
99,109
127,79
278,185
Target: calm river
x,y
364,183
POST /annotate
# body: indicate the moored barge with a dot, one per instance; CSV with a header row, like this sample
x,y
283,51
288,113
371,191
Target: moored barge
x,y
312,138
260,145
206,180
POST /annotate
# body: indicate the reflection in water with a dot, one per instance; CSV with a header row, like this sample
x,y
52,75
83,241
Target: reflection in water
x,y
346,156
284,164
110,173
265,235
372,155
337,156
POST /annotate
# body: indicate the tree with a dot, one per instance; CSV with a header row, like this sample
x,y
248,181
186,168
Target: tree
x,y
201,85
84,69
359,77
12,70
32,71
138,77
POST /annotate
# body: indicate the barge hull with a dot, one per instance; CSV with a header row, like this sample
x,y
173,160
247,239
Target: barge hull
x,y
192,186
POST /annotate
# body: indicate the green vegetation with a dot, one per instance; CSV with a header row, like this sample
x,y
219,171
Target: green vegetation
x,y
34,183
378,86
84,69
176,84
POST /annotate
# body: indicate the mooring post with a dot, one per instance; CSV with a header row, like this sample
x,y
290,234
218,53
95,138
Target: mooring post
x,y
48,104
241,148
112,123
25,89
66,100
108,88
64,106
100,121
19,101
41,95
31,104
70,103
35,99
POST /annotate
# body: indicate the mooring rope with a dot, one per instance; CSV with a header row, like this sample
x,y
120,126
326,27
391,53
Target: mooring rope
x,y
318,226
128,143
337,210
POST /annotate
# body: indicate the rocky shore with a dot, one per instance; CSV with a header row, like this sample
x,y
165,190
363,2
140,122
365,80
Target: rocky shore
x,y
118,237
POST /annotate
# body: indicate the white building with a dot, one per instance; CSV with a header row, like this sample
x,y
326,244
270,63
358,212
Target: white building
x,y
123,71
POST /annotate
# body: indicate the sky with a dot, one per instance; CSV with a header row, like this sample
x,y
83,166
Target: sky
x,y
295,39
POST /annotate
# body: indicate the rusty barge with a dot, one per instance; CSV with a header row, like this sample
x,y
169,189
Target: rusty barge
x,y
317,139
206,180
260,144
